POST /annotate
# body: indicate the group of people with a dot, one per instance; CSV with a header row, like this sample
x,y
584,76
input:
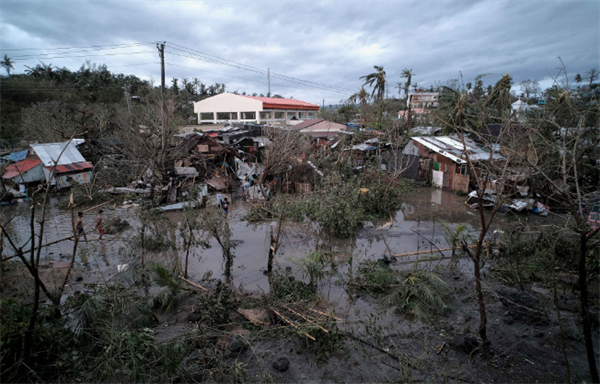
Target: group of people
x,y
99,225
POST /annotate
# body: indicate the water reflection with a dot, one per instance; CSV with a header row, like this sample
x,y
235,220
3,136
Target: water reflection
x,y
414,227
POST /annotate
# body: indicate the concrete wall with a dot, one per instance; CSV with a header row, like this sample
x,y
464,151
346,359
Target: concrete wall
x,y
227,102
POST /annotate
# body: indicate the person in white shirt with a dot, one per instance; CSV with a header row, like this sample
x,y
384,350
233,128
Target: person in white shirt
x,y
219,199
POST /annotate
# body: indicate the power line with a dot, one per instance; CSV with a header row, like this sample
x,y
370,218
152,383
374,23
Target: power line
x,y
198,57
237,77
216,59
106,54
264,72
70,52
59,48
131,65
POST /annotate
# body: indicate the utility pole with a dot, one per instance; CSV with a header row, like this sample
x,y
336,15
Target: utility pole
x,y
161,54
323,103
269,81
163,141
127,98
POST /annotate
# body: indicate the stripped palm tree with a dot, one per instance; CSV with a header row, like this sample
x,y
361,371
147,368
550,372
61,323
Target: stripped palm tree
x,y
377,78
400,87
407,74
499,97
361,97
7,63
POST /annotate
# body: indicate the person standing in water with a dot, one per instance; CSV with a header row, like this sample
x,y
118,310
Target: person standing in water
x,y
79,226
225,206
99,225
219,199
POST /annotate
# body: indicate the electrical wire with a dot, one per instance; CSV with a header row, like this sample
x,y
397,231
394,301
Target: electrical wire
x,y
60,48
238,77
216,59
264,73
106,54
184,52
70,52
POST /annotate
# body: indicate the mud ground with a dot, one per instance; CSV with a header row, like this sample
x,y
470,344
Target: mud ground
x,y
394,348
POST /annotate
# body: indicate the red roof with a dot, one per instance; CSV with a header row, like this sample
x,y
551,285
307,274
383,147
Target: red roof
x,y
71,167
20,167
279,103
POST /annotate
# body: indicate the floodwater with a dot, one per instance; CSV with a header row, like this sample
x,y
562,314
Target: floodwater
x,y
416,227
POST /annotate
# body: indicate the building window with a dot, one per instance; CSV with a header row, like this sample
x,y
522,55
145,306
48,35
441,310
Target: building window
x,y
463,170
265,115
206,116
248,115
279,115
226,115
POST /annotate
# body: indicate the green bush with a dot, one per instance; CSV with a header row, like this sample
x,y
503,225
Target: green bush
x,y
285,287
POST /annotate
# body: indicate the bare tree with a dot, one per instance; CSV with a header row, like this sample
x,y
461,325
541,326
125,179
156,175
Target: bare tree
x,y
286,148
592,75
143,135
530,88
562,147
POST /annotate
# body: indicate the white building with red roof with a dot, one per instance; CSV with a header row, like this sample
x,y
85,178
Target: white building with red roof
x,y
227,107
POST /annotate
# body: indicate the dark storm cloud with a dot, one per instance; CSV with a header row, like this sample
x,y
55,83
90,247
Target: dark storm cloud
x,y
332,43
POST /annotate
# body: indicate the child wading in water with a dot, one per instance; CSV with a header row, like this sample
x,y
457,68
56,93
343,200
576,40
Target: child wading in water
x,y
99,225
79,226
225,206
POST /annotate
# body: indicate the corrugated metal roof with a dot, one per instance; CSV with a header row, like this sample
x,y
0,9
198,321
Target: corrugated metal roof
x,y
21,167
49,153
70,167
325,126
306,124
453,148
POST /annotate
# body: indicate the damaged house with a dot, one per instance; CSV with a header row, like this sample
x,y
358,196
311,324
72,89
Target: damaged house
x,y
211,160
61,164
442,160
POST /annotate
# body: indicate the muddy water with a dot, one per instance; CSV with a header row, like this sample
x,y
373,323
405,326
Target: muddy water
x,y
415,227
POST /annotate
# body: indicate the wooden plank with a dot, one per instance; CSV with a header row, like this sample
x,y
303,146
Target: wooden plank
x,y
97,206
193,284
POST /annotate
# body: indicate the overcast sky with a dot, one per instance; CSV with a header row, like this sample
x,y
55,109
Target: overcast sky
x,y
330,43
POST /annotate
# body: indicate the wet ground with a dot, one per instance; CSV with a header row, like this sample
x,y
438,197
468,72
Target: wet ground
x,y
416,227
523,352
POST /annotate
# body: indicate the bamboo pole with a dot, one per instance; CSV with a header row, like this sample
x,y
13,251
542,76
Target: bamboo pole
x,y
322,313
254,321
293,325
193,284
98,206
305,318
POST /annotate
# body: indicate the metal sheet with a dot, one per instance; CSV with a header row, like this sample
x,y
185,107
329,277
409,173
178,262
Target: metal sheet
x,y
49,153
